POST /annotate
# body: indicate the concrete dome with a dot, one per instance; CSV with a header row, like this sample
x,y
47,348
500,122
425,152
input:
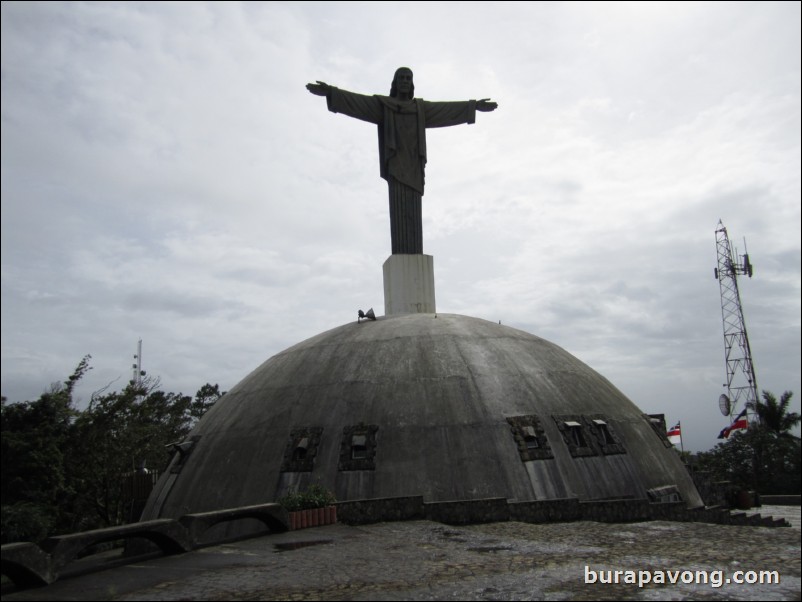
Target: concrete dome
x,y
445,406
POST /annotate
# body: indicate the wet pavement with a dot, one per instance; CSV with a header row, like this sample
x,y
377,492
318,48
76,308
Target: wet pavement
x,y
422,560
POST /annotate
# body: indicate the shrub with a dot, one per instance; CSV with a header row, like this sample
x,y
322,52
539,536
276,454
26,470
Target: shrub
x,y
315,496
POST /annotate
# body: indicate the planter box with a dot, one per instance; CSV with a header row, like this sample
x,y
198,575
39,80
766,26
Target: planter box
x,y
314,517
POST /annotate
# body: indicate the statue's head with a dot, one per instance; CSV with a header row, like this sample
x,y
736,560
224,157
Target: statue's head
x,y
402,83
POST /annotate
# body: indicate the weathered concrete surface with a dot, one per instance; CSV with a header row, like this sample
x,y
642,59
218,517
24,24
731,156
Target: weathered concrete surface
x,y
273,516
438,391
169,535
409,285
26,564
422,560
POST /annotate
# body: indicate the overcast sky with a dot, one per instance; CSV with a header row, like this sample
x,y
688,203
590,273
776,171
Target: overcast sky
x,y
166,176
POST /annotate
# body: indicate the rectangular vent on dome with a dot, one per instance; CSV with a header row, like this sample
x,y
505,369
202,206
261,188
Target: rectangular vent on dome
x,y
301,449
358,447
530,438
575,435
607,439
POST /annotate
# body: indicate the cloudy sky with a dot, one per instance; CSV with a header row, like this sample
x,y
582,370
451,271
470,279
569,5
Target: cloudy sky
x,y
167,177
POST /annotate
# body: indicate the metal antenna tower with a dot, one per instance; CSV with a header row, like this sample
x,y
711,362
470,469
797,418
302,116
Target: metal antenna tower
x,y
741,382
138,371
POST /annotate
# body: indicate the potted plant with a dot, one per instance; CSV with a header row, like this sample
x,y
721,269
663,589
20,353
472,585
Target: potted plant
x,y
310,508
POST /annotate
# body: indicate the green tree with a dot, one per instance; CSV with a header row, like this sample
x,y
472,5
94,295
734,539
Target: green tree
x,y
35,438
64,470
774,416
776,450
117,434
205,398
765,457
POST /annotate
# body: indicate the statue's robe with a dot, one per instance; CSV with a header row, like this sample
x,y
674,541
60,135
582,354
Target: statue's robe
x,y
402,151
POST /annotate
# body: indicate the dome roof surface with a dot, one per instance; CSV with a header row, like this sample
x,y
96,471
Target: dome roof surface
x,y
445,406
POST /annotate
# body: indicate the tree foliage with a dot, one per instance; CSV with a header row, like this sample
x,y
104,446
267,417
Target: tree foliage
x,y
64,469
766,457
117,434
205,398
315,496
36,438
774,415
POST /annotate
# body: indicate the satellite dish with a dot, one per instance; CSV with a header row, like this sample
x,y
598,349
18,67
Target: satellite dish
x,y
724,405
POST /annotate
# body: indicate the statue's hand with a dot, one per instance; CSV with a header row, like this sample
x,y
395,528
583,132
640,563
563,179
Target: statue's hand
x,y
319,88
486,105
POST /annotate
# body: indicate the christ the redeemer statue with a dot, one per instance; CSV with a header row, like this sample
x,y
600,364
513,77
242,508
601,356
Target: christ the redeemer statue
x,y
402,120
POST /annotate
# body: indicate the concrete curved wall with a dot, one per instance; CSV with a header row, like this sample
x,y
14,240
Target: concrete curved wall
x,y
440,390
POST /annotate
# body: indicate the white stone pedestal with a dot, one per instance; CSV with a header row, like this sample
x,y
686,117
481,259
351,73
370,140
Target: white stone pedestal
x,y
409,285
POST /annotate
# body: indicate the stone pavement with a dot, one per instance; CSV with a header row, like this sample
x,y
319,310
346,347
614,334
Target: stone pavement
x,y
423,560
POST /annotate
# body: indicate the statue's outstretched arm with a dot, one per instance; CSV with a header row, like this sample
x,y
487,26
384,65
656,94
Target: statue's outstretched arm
x,y
359,106
485,105
319,88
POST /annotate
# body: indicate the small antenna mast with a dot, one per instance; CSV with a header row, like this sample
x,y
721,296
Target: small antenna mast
x,y
138,371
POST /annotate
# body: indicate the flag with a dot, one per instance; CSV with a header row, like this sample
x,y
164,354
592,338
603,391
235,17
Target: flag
x,y
674,434
741,422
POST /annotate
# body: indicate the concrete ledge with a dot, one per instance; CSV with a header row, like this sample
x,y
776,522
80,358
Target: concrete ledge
x,y
781,500
546,511
272,515
465,512
26,564
166,533
616,511
363,512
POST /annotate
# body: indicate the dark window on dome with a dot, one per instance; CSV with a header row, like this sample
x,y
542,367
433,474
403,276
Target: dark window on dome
x,y
301,449
607,440
575,435
358,447
530,438
604,432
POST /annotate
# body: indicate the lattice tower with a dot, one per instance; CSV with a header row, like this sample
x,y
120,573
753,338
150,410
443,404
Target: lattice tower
x,y
741,382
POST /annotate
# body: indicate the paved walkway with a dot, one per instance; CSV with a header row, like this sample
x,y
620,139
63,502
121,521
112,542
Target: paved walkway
x,y
423,560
